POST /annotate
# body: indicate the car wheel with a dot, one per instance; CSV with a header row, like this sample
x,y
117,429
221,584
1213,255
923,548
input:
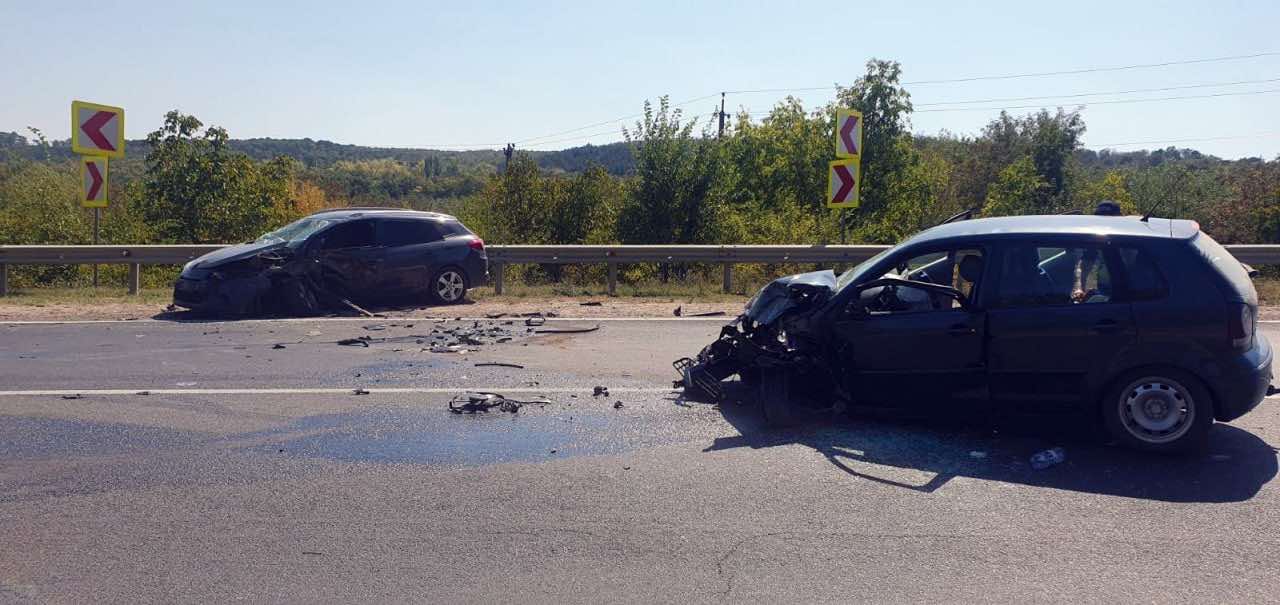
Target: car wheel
x,y
1159,410
449,286
775,398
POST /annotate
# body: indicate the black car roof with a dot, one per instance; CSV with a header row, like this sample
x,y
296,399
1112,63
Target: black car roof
x,y
350,213
1058,224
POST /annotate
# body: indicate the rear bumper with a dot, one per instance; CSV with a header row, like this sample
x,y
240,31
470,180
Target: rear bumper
x,y
477,268
1244,385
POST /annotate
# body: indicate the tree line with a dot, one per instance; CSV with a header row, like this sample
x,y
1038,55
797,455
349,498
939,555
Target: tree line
x,y
673,181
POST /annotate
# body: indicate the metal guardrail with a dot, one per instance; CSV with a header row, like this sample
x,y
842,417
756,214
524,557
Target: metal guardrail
x,y
500,256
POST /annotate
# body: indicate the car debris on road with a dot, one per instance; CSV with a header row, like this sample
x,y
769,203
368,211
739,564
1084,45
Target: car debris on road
x,y
482,402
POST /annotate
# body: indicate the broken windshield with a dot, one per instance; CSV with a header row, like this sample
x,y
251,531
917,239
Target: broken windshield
x,y
856,274
297,230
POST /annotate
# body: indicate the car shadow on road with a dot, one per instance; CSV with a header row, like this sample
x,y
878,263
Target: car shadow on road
x,y
924,456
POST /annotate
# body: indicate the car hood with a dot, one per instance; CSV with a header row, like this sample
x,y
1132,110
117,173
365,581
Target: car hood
x,y
231,254
790,293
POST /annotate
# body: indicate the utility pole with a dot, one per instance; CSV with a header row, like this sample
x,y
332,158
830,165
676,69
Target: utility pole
x,y
721,135
508,152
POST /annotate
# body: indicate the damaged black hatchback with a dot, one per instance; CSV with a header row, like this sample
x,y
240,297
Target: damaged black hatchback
x,y
1144,325
328,259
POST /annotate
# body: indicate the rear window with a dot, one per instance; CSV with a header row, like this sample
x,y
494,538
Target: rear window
x,y
453,228
1227,266
1145,281
407,233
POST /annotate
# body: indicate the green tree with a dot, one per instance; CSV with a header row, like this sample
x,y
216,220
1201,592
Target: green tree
x,y
1017,190
887,155
671,201
196,190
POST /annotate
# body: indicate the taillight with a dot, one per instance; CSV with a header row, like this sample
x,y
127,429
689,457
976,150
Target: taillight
x,y
1240,326
476,244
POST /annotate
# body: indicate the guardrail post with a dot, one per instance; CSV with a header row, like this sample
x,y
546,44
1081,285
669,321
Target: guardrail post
x,y
728,277
497,277
4,279
135,278
613,279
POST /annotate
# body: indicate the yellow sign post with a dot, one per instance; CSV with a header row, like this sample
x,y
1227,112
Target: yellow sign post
x,y
97,129
97,133
848,133
843,178
94,180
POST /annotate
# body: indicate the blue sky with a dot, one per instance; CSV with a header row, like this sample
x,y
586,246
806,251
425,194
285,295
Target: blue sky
x,y
424,74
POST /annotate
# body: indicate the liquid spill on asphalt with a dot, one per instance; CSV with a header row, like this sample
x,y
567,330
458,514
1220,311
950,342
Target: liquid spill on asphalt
x,y
423,436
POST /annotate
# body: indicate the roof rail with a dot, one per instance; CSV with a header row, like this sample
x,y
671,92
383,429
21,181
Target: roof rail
x,y
362,209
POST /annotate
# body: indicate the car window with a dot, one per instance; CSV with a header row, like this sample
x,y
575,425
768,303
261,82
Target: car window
x,y
407,233
452,228
1144,281
353,234
1039,276
959,269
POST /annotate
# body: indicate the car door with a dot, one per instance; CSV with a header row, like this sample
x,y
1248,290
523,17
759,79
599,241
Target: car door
x,y
351,259
409,252
1054,324
925,351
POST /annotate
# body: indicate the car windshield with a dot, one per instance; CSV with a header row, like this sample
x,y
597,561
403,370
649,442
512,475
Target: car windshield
x,y
855,274
297,230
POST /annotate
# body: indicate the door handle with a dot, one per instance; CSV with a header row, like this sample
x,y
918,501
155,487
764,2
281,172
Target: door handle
x,y
1106,326
960,330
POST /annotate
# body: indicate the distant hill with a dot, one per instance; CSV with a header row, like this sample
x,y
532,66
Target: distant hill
x,y
614,157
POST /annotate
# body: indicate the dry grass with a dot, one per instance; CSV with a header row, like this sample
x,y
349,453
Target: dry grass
x,y
86,296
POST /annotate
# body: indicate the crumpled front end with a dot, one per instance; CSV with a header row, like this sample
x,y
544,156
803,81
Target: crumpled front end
x,y
269,281
777,331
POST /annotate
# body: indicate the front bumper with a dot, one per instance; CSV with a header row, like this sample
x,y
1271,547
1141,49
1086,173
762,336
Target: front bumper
x,y
190,293
1244,385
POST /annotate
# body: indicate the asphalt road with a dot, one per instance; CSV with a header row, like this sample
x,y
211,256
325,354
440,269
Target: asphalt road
x,y
161,461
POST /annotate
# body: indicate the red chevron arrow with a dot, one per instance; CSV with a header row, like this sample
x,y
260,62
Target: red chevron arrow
x,y
846,134
846,184
96,176
93,129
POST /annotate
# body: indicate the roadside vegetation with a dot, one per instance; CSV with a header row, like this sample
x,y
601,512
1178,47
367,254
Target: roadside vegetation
x,y
674,181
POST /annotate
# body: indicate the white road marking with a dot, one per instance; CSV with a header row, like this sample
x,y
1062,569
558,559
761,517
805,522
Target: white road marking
x,y
54,322
323,391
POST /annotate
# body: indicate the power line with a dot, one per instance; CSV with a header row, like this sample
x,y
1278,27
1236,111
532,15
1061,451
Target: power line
x,y
1000,108
613,121
1110,102
913,83
1094,94
1192,140
1029,75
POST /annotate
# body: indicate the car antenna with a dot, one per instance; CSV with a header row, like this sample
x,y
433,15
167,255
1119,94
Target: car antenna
x,y
960,216
1146,216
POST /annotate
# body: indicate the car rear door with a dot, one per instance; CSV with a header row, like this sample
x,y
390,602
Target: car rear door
x,y
1055,324
928,354
410,249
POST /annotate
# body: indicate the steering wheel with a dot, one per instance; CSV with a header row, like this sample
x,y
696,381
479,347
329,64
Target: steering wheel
x,y
887,298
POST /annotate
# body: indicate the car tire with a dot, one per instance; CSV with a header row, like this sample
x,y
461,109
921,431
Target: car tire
x,y
775,396
1162,410
449,286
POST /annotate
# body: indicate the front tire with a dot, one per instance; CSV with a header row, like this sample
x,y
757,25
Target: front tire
x,y
449,286
775,395
1159,410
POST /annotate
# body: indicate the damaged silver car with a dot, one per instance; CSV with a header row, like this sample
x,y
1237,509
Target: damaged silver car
x,y
328,259
1146,325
